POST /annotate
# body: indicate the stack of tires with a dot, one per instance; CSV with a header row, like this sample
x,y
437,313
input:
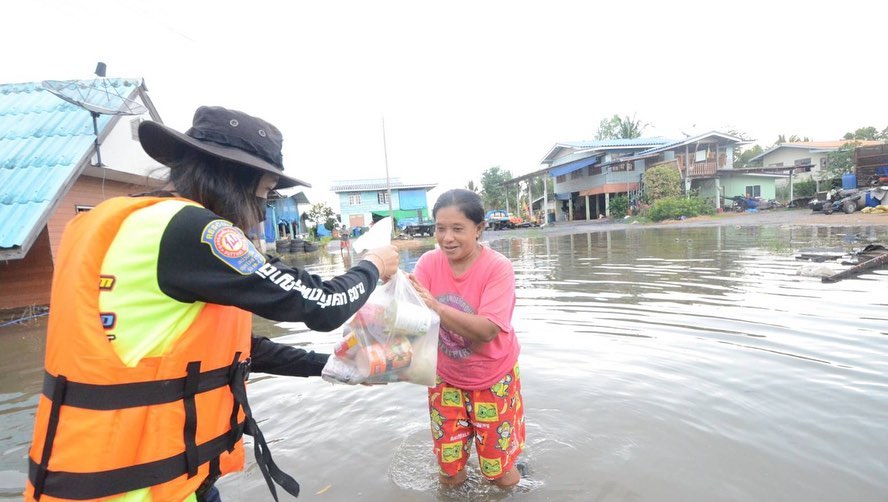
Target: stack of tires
x,y
308,247
282,245
296,244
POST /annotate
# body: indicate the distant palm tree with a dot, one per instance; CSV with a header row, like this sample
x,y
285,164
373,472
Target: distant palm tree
x,y
471,186
618,127
630,128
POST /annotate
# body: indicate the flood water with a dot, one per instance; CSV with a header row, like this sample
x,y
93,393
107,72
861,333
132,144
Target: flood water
x,y
665,364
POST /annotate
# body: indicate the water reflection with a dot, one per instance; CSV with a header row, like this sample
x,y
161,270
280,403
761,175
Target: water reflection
x,y
666,364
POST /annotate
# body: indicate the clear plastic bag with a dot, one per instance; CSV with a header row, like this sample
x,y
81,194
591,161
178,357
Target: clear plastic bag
x,y
392,338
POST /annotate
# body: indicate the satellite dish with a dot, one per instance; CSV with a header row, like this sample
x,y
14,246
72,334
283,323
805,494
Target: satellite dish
x,y
98,96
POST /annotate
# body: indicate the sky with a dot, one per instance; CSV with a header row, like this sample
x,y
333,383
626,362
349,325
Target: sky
x,y
464,86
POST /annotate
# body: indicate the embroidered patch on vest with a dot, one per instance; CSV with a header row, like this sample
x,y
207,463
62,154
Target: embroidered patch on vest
x,y
229,244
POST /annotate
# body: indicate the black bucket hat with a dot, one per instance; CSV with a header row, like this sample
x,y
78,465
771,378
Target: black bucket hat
x,y
227,134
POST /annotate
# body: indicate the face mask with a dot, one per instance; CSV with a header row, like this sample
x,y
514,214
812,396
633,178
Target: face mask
x,y
260,209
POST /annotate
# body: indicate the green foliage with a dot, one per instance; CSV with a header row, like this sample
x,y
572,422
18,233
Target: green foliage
x,y
472,186
743,159
672,208
867,133
660,182
806,188
536,187
839,162
320,213
618,127
619,206
794,138
493,193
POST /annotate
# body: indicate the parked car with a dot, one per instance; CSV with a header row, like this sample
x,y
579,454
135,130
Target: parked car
x,y
498,219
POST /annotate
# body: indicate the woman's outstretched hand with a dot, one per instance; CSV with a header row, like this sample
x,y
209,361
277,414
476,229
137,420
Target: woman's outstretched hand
x,y
427,297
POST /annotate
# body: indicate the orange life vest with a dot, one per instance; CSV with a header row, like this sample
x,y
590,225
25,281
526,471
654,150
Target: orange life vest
x,y
169,423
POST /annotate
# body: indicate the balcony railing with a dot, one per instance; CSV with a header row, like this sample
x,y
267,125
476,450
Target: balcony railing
x,y
702,169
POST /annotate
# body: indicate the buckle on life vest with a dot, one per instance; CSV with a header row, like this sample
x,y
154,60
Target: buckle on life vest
x,y
240,371
246,365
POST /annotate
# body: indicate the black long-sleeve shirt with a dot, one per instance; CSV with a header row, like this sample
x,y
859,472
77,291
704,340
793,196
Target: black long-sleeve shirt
x,y
192,266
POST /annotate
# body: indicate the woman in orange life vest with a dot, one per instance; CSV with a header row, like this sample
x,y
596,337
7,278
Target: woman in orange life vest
x,y
149,341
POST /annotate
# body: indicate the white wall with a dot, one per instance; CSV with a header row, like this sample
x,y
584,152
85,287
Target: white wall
x,y
788,156
122,153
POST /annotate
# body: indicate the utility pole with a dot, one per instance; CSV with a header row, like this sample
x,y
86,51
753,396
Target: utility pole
x,y
388,184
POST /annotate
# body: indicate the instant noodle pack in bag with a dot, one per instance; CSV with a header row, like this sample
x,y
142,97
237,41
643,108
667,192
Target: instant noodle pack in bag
x,y
392,338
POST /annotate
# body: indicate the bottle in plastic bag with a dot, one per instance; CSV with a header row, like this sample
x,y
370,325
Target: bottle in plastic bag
x,y
378,358
407,319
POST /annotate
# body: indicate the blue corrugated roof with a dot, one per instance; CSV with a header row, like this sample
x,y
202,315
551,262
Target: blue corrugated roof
x,y
618,143
573,166
690,141
376,184
42,142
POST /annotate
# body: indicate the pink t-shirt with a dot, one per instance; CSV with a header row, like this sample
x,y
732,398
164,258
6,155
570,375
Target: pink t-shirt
x,y
486,289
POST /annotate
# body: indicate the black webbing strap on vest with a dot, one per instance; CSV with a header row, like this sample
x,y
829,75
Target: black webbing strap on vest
x,y
266,464
39,476
132,395
93,485
83,486
190,430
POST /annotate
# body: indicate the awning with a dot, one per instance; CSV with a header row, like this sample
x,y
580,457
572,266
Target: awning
x,y
562,196
573,166
404,213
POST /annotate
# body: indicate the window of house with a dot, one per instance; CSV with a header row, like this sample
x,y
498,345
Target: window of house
x,y
576,174
81,209
754,190
560,179
619,167
354,199
802,162
382,197
700,156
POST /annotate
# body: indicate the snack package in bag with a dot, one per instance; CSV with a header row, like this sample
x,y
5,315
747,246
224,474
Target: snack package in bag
x,y
392,338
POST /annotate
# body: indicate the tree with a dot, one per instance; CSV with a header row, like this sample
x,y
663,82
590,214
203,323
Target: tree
x,y
839,162
744,158
618,127
322,215
867,133
493,192
661,182
472,186
794,138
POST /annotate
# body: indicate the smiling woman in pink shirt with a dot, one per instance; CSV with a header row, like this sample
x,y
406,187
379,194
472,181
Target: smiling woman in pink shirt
x,y
478,389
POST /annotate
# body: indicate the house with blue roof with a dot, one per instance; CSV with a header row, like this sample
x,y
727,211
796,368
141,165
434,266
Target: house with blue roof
x,y
49,172
362,202
588,174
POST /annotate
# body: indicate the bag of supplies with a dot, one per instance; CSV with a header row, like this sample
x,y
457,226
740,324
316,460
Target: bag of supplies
x,y
392,338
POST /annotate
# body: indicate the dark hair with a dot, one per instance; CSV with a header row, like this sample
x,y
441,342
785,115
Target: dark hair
x,y
225,188
466,201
